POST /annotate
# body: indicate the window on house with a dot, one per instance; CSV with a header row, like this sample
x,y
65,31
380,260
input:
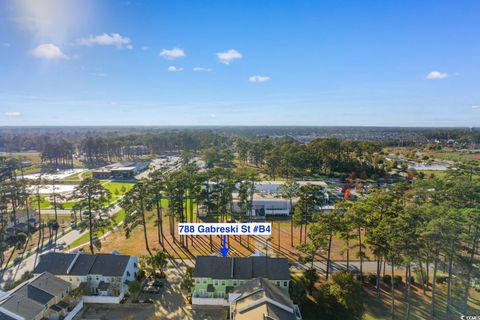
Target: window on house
x,y
285,283
278,283
197,281
234,283
242,281
204,281
223,282
216,282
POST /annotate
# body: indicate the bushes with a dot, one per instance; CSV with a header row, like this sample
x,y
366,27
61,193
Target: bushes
x,y
418,276
441,279
397,279
387,279
372,279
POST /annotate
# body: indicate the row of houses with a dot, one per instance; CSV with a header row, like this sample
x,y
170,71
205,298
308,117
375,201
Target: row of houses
x,y
105,275
253,287
42,297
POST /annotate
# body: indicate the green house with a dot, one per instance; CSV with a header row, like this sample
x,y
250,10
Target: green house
x,y
215,277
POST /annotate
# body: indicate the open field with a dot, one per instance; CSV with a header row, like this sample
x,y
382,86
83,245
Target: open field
x,y
456,156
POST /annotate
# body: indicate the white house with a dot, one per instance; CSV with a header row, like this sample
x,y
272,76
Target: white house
x,y
103,274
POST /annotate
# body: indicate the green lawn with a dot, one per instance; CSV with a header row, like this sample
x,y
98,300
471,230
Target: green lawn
x,y
117,188
455,156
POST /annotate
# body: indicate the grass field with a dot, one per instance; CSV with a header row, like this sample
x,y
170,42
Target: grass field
x,y
117,188
457,156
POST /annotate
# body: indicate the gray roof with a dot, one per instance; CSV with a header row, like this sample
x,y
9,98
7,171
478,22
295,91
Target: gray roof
x,y
243,268
36,294
51,284
30,299
4,316
54,262
259,288
23,306
83,265
110,265
266,289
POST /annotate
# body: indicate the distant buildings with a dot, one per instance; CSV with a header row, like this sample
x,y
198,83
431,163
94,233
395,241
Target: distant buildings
x,y
261,299
215,277
121,170
105,275
42,297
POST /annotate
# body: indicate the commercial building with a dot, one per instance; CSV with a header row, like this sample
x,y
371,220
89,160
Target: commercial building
x,y
120,171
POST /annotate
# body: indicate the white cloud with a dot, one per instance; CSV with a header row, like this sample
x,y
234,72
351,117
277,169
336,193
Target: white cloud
x,y
436,75
174,69
477,106
6,44
13,114
114,103
48,51
113,39
201,69
256,79
228,56
144,48
129,47
172,53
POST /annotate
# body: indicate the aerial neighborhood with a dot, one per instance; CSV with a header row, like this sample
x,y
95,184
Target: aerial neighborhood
x,y
239,160
103,236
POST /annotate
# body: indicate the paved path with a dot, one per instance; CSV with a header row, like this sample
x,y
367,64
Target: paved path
x,y
28,264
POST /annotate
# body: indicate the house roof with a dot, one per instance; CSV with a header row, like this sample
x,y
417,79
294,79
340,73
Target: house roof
x,y
50,284
111,265
30,299
22,306
83,265
36,294
54,262
4,316
241,268
259,298
264,288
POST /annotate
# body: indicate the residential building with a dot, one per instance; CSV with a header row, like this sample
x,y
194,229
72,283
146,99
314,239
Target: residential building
x,y
101,274
42,297
215,277
261,299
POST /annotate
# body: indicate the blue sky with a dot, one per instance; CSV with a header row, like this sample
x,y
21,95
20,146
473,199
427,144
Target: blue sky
x,y
248,62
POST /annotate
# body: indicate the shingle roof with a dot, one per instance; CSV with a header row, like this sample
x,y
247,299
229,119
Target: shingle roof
x,y
51,284
243,268
266,289
4,316
250,306
22,306
83,265
54,262
110,265
35,294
